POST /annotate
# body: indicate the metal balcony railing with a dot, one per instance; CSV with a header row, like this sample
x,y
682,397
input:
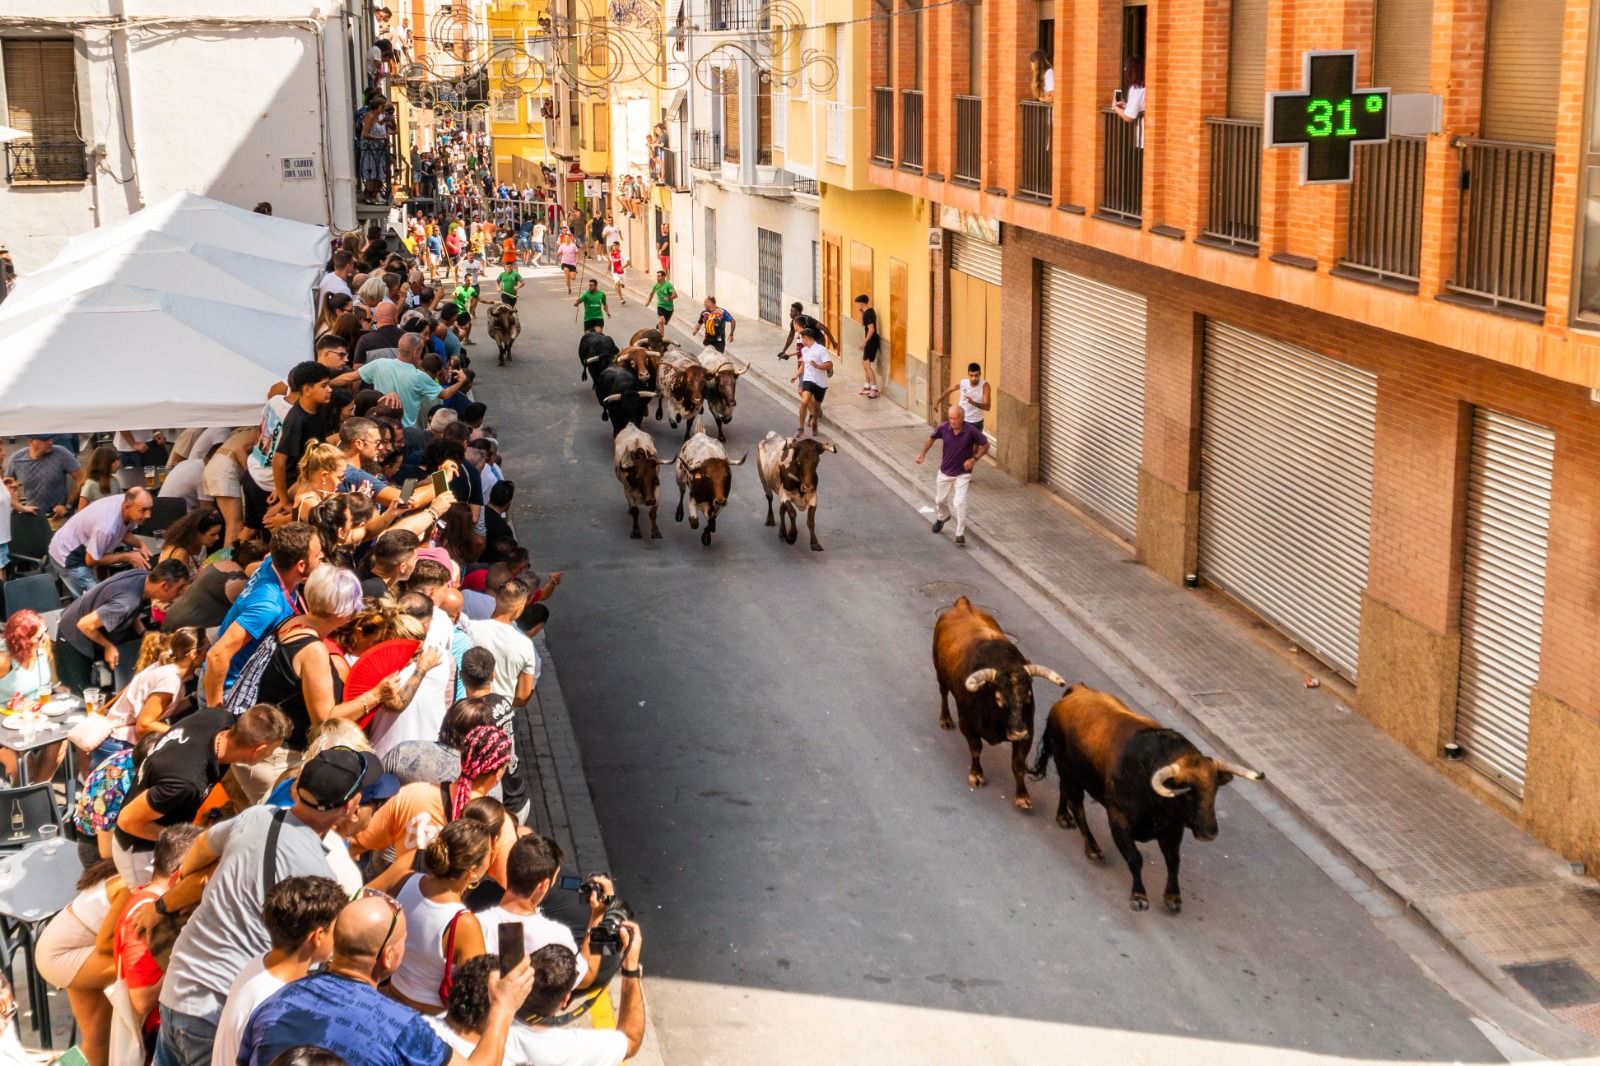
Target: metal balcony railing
x,y
1122,182
883,125
1234,215
30,160
1034,183
968,168
726,15
705,149
1503,225
1385,235
674,174
911,130
806,186
838,132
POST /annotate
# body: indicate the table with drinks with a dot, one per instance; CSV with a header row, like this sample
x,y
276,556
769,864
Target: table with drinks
x,y
31,722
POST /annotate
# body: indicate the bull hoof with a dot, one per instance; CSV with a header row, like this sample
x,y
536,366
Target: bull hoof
x,y
791,538
945,722
1174,904
635,535
1066,821
1138,902
655,534
815,546
705,538
1094,854
694,521
976,780
1023,803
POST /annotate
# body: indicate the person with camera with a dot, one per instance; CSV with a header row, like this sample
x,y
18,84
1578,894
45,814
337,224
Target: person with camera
x,y
531,872
555,975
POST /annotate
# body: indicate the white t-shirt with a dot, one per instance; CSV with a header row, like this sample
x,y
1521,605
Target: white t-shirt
x,y
969,393
260,464
424,715
183,482
1049,79
529,1046
537,932
1133,107
331,282
811,354
253,985
610,235
514,655
5,514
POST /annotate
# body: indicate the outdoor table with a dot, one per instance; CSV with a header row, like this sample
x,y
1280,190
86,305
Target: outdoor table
x,y
35,884
55,731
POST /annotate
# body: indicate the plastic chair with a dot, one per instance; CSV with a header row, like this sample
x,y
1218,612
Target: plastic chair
x,y
163,512
30,542
36,592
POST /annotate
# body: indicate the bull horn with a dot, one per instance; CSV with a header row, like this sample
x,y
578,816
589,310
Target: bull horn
x,y
666,462
1035,670
591,361
1239,771
741,373
1158,781
739,461
613,398
645,395
979,678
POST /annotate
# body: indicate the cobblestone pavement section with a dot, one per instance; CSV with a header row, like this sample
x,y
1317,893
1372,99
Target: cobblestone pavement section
x,y
1511,907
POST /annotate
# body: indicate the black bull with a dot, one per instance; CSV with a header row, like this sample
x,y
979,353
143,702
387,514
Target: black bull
x,y
622,402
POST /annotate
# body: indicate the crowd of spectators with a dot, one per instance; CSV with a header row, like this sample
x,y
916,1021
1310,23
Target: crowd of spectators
x,y
299,810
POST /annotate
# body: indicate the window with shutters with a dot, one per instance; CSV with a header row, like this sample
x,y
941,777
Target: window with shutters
x,y
42,99
1247,59
730,114
764,119
602,122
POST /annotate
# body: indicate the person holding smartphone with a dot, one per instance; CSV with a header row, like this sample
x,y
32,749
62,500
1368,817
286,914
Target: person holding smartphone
x,y
532,871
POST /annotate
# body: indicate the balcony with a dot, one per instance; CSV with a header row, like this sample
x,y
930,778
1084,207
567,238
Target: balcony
x,y
724,16
806,187
911,130
29,161
1034,183
705,149
1122,182
1503,225
1385,232
968,169
838,132
674,174
1233,219
883,126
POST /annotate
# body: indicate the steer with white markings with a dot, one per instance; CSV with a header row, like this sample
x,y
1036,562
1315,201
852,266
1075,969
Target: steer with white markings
x,y
636,463
681,384
722,380
705,475
788,469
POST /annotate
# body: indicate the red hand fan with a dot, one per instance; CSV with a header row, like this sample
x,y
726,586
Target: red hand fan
x,y
376,663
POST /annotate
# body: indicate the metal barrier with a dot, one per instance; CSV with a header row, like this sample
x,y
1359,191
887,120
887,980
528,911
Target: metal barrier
x,y
883,126
969,140
1035,181
1234,192
1122,182
1385,236
911,130
1503,225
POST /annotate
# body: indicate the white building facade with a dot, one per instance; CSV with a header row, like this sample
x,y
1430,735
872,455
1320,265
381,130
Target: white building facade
x,y
125,102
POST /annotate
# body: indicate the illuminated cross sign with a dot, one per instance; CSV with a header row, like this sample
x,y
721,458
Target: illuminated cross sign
x,y
1328,118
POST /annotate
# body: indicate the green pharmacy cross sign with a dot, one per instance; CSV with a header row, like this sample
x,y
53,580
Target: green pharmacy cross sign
x,y
1328,119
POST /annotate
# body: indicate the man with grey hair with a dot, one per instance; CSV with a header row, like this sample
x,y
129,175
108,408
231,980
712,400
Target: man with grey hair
x,y
964,445
100,534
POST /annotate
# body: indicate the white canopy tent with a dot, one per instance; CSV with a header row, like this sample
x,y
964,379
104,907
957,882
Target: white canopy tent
x,y
183,315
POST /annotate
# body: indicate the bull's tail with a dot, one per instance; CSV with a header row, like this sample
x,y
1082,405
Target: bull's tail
x,y
1046,750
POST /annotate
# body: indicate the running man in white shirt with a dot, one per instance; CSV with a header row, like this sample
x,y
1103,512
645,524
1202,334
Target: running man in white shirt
x,y
816,366
976,400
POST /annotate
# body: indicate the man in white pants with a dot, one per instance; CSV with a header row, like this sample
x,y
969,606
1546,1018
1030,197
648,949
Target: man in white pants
x,y
964,445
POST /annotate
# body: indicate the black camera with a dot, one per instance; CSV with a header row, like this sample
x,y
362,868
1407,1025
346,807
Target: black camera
x,y
605,936
591,890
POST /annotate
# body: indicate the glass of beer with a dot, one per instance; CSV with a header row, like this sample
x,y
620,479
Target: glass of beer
x,y
91,700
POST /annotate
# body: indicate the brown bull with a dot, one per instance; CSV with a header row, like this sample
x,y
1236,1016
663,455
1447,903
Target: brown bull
x,y
788,469
993,686
504,329
652,339
637,467
641,362
1153,783
681,386
722,383
705,475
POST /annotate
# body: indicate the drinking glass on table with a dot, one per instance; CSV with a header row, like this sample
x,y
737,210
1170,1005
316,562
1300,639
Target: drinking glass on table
x,y
91,700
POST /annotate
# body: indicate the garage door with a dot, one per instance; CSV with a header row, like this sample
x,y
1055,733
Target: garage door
x,y
1091,399
1286,486
978,258
1502,591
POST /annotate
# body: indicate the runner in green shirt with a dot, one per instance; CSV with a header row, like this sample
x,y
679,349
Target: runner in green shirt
x,y
464,295
510,282
664,294
594,305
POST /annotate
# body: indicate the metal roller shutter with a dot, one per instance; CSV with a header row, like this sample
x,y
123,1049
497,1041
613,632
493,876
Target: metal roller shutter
x,y
1247,59
1502,591
1403,45
978,258
1522,71
1286,486
1091,402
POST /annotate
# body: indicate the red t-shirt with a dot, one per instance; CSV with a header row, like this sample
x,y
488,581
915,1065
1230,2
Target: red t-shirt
x,y
136,964
477,581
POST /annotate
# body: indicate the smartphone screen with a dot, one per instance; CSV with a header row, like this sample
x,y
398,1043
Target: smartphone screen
x,y
407,487
570,882
440,484
511,948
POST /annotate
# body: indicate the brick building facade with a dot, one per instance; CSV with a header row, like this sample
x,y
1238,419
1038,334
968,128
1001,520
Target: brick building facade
x,y
1363,410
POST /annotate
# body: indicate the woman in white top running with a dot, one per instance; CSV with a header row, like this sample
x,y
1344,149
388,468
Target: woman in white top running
x,y
441,933
975,396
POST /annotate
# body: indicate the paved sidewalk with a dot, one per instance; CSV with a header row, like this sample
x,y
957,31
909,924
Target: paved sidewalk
x,y
1508,905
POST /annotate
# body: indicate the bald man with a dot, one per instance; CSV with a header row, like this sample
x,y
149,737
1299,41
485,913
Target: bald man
x,y
964,445
342,1011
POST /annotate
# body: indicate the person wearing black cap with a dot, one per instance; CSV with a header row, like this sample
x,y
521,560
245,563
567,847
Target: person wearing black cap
x,y
251,852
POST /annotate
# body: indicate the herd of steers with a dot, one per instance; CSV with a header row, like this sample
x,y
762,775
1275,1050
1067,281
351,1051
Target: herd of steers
x,y
1153,783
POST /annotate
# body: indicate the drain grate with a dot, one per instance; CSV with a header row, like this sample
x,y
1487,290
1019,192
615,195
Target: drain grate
x,y
1556,983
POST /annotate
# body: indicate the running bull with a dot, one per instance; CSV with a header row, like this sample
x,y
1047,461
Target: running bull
x,y
788,469
595,352
1153,783
622,401
993,686
636,463
722,380
705,474
681,384
504,329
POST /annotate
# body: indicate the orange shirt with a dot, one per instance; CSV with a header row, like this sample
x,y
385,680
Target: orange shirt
x,y
411,819
508,253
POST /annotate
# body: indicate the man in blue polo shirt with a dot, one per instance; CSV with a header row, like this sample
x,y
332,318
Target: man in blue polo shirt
x,y
266,603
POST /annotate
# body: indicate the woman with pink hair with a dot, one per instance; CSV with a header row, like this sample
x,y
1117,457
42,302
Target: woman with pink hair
x,y
28,669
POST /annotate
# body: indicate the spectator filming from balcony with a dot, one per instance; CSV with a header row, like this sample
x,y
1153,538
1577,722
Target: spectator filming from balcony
x,y
1129,106
1043,77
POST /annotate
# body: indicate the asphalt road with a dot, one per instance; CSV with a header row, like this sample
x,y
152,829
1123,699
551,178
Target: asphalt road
x,y
816,881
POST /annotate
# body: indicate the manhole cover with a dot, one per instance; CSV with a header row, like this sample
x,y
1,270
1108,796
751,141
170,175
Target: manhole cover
x,y
1557,983
947,590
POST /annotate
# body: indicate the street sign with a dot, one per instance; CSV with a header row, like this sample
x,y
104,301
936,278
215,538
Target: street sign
x,y
298,168
1328,118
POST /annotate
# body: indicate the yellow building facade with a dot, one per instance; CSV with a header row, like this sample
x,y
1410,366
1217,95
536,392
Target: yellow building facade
x,y
518,94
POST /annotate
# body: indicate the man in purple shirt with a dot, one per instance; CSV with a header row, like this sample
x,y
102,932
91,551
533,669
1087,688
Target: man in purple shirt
x,y
964,445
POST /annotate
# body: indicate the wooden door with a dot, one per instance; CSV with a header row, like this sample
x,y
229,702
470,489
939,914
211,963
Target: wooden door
x,y
860,276
897,321
832,268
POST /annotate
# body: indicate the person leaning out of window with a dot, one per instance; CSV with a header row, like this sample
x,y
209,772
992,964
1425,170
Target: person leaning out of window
x,y
1043,78
1130,106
